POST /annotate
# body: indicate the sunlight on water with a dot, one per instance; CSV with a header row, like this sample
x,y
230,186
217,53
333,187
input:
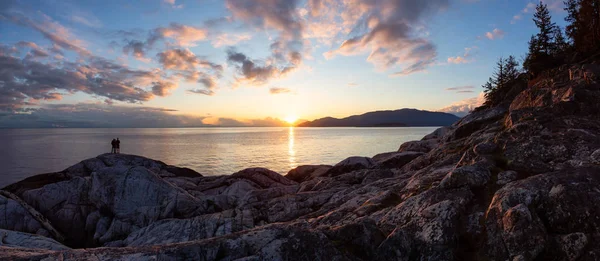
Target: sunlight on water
x,y
291,148
210,151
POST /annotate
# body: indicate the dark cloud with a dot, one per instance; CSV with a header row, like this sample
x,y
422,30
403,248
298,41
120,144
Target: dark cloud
x,y
251,72
136,48
96,115
25,81
277,90
89,115
202,91
162,88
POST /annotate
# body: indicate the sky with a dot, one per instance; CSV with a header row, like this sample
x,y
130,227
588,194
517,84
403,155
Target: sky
x,y
181,63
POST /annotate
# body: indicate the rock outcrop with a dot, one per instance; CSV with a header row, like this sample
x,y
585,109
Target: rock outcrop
x,y
514,182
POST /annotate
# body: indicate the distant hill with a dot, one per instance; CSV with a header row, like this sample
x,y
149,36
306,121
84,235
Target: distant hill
x,y
397,118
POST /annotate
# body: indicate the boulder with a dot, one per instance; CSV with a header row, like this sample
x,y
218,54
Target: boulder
x,y
9,238
485,148
505,177
396,160
419,145
15,217
350,164
307,172
471,176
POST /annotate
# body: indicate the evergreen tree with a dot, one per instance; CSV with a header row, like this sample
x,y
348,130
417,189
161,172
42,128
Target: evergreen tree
x,y
573,29
543,21
500,74
560,45
507,70
511,69
584,24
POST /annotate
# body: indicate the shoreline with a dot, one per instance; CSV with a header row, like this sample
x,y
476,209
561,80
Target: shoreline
x,y
479,188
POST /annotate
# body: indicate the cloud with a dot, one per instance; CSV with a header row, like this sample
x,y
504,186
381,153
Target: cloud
x,y
87,21
35,51
495,34
287,49
391,32
191,68
202,91
460,88
177,35
229,122
137,49
161,88
182,35
249,71
59,35
173,4
226,39
529,8
352,84
465,106
277,90
25,82
464,58
99,115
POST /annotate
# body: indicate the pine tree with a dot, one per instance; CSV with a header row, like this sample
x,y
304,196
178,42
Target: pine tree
x,y
543,21
573,29
584,24
560,45
507,70
530,63
500,74
511,69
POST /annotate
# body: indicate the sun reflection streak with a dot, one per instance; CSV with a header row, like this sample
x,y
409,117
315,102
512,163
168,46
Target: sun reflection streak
x,y
291,152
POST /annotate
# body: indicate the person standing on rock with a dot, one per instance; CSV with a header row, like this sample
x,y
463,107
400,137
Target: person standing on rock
x,y
113,145
118,146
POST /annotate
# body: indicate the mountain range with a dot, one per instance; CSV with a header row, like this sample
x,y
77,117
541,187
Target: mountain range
x,y
396,118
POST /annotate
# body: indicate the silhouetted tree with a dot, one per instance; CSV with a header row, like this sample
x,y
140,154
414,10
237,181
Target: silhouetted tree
x,y
507,71
560,45
584,24
547,47
543,21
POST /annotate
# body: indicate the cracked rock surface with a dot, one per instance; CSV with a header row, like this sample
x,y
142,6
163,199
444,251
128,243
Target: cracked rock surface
x,y
520,181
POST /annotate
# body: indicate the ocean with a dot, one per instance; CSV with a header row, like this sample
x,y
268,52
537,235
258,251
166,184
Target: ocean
x,y
210,151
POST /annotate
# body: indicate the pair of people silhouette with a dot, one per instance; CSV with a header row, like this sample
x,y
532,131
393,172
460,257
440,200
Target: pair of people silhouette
x,y
116,146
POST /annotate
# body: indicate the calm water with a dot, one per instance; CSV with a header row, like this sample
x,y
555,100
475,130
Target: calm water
x,y
210,151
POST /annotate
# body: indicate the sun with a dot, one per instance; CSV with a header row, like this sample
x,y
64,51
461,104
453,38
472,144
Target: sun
x,y
290,119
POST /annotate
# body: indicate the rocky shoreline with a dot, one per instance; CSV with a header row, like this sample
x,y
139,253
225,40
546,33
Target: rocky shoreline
x,y
520,181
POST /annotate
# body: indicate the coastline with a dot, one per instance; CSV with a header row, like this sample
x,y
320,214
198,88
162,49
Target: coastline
x,y
504,182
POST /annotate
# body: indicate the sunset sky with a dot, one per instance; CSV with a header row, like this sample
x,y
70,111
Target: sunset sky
x,y
239,62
